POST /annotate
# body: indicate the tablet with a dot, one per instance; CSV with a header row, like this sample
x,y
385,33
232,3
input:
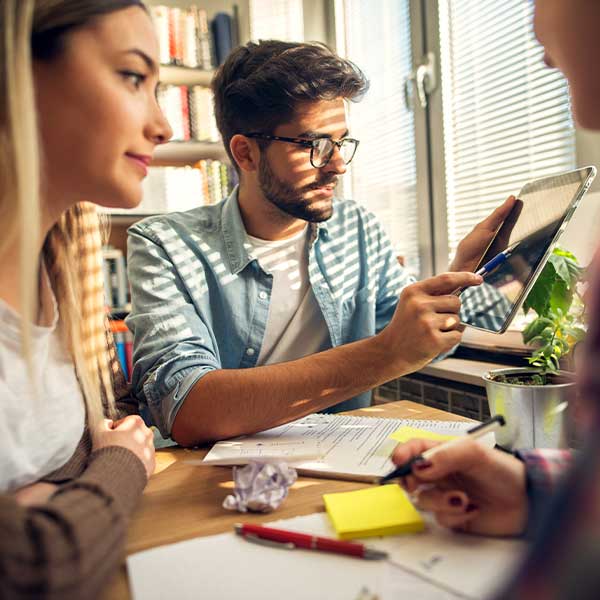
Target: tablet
x,y
521,248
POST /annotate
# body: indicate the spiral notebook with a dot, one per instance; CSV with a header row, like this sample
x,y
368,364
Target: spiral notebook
x,y
341,446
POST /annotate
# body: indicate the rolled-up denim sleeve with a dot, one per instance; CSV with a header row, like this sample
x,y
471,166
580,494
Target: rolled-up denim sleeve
x,y
173,345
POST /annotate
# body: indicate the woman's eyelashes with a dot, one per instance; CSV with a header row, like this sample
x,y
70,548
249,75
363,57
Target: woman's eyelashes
x,y
136,79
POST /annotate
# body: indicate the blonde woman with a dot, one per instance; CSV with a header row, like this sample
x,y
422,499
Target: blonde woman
x,y
78,124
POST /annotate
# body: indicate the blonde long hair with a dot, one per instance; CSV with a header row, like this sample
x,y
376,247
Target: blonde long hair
x,y
72,250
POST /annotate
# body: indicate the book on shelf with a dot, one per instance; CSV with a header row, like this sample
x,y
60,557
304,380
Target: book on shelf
x,y
187,39
223,35
124,344
116,286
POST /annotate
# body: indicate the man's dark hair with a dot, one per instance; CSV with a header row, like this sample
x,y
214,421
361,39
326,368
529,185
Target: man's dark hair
x,y
260,84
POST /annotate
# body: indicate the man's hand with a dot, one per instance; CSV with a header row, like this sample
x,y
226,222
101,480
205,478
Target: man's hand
x,y
426,322
468,487
472,247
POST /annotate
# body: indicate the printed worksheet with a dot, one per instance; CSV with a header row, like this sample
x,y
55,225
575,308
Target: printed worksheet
x,y
338,446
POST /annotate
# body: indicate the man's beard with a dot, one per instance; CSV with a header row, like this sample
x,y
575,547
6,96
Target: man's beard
x,y
289,199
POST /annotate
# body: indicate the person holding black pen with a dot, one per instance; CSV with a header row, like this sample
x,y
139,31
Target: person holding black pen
x,y
550,496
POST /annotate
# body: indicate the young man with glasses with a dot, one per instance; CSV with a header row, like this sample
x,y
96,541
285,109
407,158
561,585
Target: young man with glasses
x,y
281,301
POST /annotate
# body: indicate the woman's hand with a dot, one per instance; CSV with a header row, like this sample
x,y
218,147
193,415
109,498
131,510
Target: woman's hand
x,y
469,487
131,433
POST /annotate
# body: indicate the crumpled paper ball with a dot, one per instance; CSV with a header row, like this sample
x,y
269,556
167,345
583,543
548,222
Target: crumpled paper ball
x,y
260,487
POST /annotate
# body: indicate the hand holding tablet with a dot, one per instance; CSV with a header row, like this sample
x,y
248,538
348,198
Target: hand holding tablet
x,y
521,248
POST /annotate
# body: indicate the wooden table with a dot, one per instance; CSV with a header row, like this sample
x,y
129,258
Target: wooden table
x,y
183,501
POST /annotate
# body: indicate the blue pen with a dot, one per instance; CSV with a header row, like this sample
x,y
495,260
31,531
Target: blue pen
x,y
491,265
495,262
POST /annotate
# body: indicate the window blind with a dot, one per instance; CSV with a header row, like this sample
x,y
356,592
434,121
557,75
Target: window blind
x,y
277,19
506,115
383,173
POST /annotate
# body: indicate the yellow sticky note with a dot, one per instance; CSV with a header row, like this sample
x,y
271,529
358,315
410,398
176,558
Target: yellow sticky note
x,y
403,434
375,511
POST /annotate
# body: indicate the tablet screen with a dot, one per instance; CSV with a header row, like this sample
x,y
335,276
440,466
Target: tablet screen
x,y
526,237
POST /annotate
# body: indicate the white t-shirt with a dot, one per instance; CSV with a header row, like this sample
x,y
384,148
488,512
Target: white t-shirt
x,y
42,415
295,325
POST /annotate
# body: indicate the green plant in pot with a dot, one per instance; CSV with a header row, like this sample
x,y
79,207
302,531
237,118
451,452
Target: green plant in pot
x,y
533,399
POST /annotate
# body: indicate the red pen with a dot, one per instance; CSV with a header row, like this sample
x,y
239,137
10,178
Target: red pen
x,y
281,538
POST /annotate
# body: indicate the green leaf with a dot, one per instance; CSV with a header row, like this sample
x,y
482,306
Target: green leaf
x,y
535,328
560,268
538,298
562,252
561,297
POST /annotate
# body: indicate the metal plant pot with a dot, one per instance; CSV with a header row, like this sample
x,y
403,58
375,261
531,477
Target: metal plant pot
x,y
536,415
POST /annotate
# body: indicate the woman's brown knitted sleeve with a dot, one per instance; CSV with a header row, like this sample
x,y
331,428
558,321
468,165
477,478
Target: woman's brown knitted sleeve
x,y
69,547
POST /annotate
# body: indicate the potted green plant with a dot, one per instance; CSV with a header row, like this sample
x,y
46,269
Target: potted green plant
x,y
534,399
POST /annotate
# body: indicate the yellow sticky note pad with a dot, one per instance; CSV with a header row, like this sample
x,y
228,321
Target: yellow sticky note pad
x,y
403,434
375,511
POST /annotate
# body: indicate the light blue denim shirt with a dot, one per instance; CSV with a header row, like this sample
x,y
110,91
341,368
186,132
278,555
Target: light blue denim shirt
x,y
200,302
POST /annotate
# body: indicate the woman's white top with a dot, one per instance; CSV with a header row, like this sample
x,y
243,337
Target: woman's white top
x,y
42,414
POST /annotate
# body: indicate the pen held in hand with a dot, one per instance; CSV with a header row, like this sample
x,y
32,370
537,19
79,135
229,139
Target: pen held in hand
x,y
491,265
474,433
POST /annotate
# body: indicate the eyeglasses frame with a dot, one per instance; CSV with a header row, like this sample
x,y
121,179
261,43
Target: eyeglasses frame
x,y
307,144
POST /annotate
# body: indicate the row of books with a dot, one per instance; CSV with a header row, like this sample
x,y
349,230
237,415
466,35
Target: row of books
x,y
188,39
184,36
124,344
168,189
190,111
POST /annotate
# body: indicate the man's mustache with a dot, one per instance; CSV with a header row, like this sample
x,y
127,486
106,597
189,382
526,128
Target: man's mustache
x,y
332,179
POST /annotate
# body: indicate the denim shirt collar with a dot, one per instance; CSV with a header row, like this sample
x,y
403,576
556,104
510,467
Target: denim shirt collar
x,y
234,233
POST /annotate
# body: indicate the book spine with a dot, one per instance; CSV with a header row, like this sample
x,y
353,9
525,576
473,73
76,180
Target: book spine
x,y
122,285
191,39
205,45
185,112
179,35
222,34
160,15
118,329
172,35
129,354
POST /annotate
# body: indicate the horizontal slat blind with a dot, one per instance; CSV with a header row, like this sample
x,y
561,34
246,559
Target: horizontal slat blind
x,y
383,173
277,20
506,115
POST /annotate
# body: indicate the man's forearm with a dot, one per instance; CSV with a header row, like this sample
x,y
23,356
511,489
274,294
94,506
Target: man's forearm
x,y
231,402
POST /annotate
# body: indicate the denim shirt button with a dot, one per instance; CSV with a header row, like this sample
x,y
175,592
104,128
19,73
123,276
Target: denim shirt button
x,y
250,351
262,295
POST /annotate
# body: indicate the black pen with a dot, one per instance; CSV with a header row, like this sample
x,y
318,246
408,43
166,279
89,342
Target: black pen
x,y
474,433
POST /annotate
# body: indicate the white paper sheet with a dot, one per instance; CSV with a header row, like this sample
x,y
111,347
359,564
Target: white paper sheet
x,y
464,566
432,566
356,448
226,567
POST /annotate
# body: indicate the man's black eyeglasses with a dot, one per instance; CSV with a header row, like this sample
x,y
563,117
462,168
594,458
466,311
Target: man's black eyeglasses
x,y
321,149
